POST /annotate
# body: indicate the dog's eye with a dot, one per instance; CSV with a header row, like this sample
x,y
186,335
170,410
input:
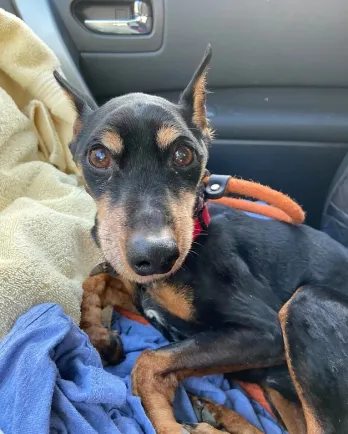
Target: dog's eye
x,y
99,157
183,156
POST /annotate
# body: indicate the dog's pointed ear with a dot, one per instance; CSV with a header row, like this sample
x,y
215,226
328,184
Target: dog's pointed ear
x,y
193,99
83,104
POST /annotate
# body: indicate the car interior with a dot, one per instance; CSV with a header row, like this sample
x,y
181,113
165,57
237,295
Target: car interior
x,y
278,105
278,78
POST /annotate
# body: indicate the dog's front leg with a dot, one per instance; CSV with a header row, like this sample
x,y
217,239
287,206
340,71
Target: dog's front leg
x,y
156,374
99,291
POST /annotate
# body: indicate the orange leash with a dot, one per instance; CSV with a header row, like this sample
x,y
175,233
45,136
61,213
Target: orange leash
x,y
278,205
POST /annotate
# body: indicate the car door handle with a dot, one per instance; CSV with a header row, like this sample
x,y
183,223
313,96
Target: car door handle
x,y
139,24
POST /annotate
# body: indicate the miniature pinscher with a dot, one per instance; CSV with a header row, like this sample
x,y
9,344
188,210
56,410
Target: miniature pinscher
x,y
257,299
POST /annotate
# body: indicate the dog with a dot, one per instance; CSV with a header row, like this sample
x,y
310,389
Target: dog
x,y
255,299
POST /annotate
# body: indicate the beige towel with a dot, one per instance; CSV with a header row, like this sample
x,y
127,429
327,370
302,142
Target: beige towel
x,y
45,214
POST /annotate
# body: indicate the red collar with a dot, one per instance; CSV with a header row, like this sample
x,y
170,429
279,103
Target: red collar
x,y
201,222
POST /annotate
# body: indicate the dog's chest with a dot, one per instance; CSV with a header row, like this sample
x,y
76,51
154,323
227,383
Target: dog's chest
x,y
169,308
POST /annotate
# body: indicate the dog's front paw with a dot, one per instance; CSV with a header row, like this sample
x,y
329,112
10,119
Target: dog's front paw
x,y
113,353
107,342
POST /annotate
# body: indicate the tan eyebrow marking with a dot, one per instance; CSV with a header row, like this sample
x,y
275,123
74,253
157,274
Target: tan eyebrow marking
x,y
113,141
166,135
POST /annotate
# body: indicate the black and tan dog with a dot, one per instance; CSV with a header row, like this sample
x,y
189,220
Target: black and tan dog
x,y
258,299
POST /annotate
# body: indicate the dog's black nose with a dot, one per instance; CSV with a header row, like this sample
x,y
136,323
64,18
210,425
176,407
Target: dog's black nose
x,y
149,255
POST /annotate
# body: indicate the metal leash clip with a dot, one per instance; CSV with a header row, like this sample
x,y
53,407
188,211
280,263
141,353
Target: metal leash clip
x,y
216,186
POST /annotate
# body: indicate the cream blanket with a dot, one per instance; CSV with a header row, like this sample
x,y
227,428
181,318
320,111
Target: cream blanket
x,y
45,214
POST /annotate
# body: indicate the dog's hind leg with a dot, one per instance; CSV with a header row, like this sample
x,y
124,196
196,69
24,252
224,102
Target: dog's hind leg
x,y
315,330
290,413
280,393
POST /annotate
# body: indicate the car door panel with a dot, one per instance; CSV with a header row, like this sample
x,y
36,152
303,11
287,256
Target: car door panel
x,y
279,76
255,43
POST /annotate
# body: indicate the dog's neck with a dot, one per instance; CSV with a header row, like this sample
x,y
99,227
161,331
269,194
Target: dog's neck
x,y
201,214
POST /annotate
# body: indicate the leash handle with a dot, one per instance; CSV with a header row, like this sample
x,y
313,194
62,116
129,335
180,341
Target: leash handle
x,y
279,205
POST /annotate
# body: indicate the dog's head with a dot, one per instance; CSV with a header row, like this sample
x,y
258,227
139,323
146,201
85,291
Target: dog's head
x,y
142,159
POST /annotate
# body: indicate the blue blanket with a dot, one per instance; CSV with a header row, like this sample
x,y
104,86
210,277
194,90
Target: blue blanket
x,y
52,381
